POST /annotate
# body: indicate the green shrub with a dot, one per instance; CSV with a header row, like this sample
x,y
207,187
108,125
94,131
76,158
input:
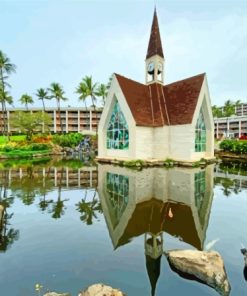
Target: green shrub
x,y
234,146
7,148
169,162
133,163
38,147
67,140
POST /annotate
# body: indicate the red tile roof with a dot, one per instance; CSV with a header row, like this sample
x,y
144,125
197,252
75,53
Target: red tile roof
x,y
157,105
152,216
155,45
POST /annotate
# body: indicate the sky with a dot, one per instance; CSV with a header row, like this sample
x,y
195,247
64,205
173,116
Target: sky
x,y
63,41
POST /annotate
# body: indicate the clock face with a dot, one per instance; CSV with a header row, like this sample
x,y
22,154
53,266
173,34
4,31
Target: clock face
x,y
160,67
151,68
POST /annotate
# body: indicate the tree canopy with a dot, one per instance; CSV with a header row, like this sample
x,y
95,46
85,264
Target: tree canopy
x,y
29,123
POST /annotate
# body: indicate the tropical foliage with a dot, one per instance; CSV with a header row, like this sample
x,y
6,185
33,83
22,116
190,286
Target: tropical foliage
x,y
68,140
42,94
25,100
6,68
57,93
29,123
227,110
87,89
234,146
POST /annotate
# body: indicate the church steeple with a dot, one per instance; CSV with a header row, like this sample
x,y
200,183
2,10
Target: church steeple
x,y
155,56
155,45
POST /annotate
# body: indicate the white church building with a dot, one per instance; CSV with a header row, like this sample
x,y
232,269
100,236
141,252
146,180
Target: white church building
x,y
157,121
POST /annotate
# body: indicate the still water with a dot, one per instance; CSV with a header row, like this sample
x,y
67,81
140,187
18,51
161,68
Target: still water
x,y
66,226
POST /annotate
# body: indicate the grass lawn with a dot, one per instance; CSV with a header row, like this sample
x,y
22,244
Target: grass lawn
x,y
23,154
17,138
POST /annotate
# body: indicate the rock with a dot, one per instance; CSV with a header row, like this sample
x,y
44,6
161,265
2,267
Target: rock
x,y
206,267
243,251
56,294
101,290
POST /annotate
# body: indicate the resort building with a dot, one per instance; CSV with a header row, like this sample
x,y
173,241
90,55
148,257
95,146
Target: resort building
x,y
47,178
74,119
233,127
156,121
241,110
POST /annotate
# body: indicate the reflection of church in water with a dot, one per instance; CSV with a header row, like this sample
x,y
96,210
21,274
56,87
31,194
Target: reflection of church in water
x,y
154,201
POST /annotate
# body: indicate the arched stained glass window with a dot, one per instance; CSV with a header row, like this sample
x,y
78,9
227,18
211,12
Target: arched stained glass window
x,y
118,192
200,134
117,131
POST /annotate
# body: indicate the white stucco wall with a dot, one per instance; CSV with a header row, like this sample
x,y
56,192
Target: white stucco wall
x,y
144,142
181,142
161,142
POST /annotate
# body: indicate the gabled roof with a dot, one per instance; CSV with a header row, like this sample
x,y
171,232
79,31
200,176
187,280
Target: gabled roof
x,y
158,105
155,46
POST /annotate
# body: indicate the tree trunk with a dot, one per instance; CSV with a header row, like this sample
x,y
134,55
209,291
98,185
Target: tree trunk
x,y
2,119
43,104
94,108
86,111
59,114
3,105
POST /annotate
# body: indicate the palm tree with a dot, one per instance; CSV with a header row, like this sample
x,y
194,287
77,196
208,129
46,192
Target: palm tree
x,y
102,91
5,97
109,82
25,100
81,90
229,108
57,93
217,112
87,88
6,68
42,94
90,89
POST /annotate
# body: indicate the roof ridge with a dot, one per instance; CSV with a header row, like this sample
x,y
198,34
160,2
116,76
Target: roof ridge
x,y
130,79
175,82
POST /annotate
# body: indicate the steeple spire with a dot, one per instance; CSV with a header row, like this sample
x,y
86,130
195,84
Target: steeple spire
x,y
155,46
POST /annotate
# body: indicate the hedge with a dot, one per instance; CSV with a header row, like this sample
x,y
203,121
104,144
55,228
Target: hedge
x,y
234,146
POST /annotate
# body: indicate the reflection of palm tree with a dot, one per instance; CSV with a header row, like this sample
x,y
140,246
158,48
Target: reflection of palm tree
x,y
30,186
88,209
27,198
58,207
7,236
25,187
45,187
43,204
227,185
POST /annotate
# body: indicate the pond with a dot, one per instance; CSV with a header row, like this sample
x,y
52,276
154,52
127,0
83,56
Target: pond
x,y
66,225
